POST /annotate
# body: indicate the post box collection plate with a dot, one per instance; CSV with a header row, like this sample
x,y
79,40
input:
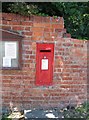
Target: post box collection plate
x,y
44,64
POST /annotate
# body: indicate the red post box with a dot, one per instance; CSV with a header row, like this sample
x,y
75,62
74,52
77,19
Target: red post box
x,y
44,63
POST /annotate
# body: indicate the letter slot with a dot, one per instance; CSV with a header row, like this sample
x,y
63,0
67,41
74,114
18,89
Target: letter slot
x,y
45,50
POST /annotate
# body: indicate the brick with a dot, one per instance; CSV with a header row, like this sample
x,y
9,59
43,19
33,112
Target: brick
x,y
58,30
27,33
46,19
32,65
6,81
67,44
48,30
75,66
37,19
26,18
28,28
37,29
27,23
13,23
34,46
54,35
67,78
61,20
37,38
31,18
26,42
68,35
58,26
48,39
61,49
18,28
65,86
6,27
32,57
28,52
6,85
9,16
26,56
41,25
47,35
4,22
27,38
35,34
78,45
79,70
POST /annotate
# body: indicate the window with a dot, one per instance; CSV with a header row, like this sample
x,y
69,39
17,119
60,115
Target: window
x,y
10,51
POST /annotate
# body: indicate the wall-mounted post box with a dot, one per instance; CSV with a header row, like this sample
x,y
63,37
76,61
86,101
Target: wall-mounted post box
x,y
44,63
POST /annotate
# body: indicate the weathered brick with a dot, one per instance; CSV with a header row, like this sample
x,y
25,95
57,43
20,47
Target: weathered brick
x,y
28,28
47,35
34,46
41,25
32,57
48,30
27,23
37,19
13,23
36,34
6,27
27,33
37,38
37,29
18,28
58,26
4,22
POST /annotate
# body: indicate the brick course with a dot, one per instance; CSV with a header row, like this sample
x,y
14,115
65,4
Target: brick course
x,y
70,66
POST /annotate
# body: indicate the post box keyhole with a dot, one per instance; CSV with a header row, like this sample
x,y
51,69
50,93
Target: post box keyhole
x,y
44,57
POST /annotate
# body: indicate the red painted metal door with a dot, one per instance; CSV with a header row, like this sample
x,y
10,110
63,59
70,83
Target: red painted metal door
x,y
44,64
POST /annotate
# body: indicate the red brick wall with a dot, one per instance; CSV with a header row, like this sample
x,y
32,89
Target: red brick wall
x,y
70,66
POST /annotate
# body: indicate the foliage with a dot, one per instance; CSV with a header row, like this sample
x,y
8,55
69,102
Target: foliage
x,y
5,117
77,23
78,112
76,14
